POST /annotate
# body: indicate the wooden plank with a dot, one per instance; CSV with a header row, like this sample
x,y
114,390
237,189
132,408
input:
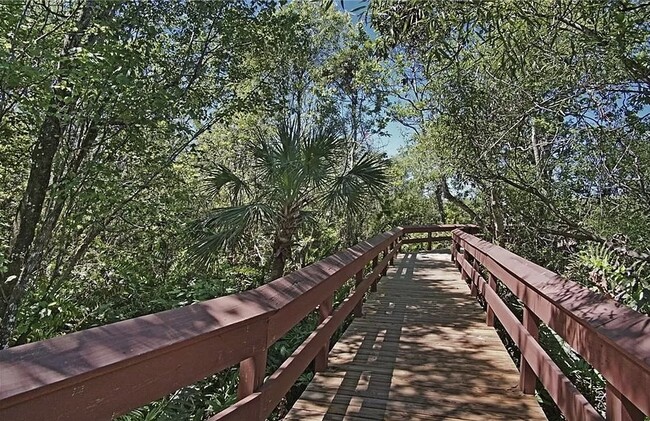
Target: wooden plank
x,y
422,351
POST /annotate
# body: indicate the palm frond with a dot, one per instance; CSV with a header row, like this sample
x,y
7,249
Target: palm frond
x,y
221,177
352,190
278,161
225,228
320,151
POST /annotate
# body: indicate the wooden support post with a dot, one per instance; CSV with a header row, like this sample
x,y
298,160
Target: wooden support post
x,y
399,244
358,310
474,282
466,258
324,311
392,254
383,272
429,243
492,283
453,249
251,374
619,408
527,377
375,262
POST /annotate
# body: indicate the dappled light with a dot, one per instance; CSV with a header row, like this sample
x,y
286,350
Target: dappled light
x,y
199,198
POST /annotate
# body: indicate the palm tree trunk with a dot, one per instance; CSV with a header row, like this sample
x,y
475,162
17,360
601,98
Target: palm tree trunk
x,y
281,253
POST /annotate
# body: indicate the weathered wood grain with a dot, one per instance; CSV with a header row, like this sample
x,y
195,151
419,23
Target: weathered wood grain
x,y
422,351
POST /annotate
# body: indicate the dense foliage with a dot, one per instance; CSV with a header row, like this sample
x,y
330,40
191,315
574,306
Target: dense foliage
x,y
164,152
534,119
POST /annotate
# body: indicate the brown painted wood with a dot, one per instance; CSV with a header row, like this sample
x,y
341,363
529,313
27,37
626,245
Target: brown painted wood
x,y
278,383
106,371
570,401
409,229
421,352
324,311
425,240
251,374
528,379
612,338
489,313
375,262
358,310
619,408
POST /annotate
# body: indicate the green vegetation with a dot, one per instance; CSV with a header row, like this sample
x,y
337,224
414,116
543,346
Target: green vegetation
x,y
164,152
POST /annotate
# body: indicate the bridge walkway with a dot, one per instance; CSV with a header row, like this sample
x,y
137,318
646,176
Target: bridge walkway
x,y
422,351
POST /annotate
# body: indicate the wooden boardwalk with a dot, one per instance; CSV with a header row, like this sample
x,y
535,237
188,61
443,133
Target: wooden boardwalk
x,y
422,351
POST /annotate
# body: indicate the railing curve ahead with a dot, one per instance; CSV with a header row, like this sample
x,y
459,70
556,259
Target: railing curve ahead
x,y
614,339
106,371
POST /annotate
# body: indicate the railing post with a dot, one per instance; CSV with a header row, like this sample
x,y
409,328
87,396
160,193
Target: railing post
x,y
429,242
466,258
251,374
392,253
324,311
527,377
492,284
453,248
457,252
358,310
474,282
385,269
619,408
375,262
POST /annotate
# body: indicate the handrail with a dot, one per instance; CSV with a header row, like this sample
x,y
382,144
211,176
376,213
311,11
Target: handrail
x,y
614,339
430,230
106,371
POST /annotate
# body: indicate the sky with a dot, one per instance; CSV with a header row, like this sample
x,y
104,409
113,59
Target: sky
x,y
395,140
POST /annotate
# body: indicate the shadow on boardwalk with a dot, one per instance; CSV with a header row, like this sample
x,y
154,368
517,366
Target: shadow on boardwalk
x,y
422,351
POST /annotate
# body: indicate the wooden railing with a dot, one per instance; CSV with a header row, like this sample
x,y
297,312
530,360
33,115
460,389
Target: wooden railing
x,y
106,371
612,338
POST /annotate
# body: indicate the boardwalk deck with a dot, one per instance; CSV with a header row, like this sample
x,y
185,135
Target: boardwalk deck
x,y
422,351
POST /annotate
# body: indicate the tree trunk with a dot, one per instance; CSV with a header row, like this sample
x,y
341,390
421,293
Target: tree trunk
x,y
497,214
281,254
456,201
16,278
441,206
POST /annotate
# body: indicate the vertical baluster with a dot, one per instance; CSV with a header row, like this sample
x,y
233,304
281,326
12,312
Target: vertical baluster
x,y
492,284
429,242
358,310
527,377
474,277
324,311
375,262
251,374
392,253
466,258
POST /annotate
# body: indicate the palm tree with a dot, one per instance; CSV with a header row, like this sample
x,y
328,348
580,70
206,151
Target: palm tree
x,y
296,173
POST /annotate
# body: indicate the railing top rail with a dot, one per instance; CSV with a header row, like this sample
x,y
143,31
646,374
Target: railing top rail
x,y
158,343
408,229
600,329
